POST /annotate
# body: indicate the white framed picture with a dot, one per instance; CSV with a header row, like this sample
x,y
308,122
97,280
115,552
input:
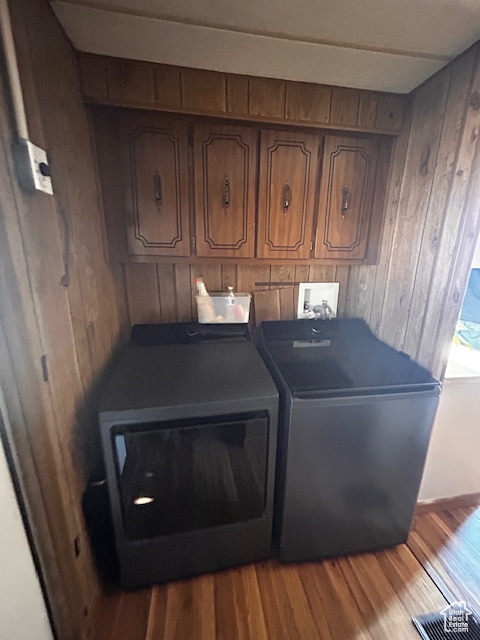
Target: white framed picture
x,y
317,300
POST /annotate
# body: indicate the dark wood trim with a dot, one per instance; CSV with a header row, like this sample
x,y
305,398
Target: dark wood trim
x,y
320,262
455,502
338,128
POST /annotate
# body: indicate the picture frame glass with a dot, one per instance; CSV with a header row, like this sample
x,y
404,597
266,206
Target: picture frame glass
x,y
317,300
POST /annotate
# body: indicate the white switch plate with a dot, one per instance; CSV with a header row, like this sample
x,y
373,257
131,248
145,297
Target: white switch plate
x,y
29,160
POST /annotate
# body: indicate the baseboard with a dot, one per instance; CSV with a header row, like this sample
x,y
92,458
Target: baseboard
x,y
455,502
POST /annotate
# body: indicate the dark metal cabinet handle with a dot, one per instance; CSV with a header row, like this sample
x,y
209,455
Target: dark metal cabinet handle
x,y
287,197
346,193
157,185
226,193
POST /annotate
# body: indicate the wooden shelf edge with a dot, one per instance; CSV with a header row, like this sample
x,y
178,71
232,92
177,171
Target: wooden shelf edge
x,y
109,102
325,262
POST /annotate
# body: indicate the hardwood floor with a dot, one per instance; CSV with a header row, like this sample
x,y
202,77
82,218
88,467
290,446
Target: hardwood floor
x,y
447,543
371,596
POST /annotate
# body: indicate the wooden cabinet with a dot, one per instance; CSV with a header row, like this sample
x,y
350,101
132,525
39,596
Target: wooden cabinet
x,y
288,172
201,189
346,197
155,181
225,166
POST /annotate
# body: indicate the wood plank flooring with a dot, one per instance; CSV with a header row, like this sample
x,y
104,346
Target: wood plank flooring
x,y
447,543
371,596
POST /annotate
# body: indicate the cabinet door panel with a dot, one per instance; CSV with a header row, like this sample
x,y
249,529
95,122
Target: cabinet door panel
x,y
288,170
345,202
155,162
225,170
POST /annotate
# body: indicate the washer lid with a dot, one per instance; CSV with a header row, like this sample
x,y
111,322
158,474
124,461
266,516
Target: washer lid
x,y
340,357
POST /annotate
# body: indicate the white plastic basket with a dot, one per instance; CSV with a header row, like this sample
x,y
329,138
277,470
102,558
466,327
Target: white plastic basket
x,y
221,308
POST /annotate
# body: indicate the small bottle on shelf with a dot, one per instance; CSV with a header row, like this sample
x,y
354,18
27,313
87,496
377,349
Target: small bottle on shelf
x,y
231,306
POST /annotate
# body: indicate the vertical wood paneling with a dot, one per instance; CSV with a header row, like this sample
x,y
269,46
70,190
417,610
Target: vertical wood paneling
x,y
458,198
367,109
249,274
437,216
237,94
385,167
341,276
229,276
21,379
204,90
266,306
302,273
79,208
142,293
416,190
364,291
93,76
351,292
211,274
215,92
390,217
266,97
107,146
468,164
322,273
308,102
284,273
59,272
344,106
166,292
183,296
167,87
390,111
119,279
131,81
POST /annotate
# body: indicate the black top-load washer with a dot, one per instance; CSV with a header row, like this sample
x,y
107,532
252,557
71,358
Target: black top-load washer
x,y
355,423
189,425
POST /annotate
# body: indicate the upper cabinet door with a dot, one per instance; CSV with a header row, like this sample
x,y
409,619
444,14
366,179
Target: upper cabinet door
x,y
346,193
288,171
155,176
225,159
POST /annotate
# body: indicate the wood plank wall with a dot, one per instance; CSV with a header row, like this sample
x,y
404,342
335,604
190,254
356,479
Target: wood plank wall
x,y
166,292
59,310
411,297
128,83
